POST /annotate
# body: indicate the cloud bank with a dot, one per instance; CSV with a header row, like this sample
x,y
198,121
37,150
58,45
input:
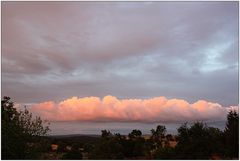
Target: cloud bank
x,y
110,108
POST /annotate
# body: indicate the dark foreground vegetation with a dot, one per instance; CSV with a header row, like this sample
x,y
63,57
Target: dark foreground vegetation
x,y
25,137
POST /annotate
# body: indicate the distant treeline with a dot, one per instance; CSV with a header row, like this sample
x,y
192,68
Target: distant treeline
x,y
24,137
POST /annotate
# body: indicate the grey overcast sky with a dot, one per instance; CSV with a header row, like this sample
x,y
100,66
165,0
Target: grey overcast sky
x,y
57,50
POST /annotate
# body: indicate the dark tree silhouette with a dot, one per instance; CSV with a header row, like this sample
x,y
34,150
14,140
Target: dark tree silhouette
x,y
231,134
20,132
107,148
136,142
198,141
158,135
106,134
135,134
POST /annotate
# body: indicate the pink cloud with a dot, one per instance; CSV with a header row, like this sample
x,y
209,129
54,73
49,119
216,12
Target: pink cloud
x,y
111,108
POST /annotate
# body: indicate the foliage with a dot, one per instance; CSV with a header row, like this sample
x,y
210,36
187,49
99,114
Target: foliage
x,y
231,134
135,134
136,143
31,127
20,132
119,147
106,134
198,142
108,148
165,153
158,135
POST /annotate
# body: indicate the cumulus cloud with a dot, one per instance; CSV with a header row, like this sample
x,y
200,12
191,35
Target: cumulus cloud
x,y
110,108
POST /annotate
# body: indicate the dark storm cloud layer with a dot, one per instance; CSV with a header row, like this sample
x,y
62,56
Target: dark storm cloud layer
x,y
56,50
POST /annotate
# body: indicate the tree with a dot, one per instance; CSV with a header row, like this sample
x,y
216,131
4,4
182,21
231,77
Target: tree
x,y
198,141
108,147
136,142
20,132
106,134
158,135
231,134
216,145
135,134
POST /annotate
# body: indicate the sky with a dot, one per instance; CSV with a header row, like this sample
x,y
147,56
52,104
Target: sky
x,y
121,61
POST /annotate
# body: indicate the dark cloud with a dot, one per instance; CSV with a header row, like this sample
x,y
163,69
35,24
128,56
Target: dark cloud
x,y
56,50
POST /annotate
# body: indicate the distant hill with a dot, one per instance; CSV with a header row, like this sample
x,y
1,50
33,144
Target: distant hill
x,y
74,138
73,135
